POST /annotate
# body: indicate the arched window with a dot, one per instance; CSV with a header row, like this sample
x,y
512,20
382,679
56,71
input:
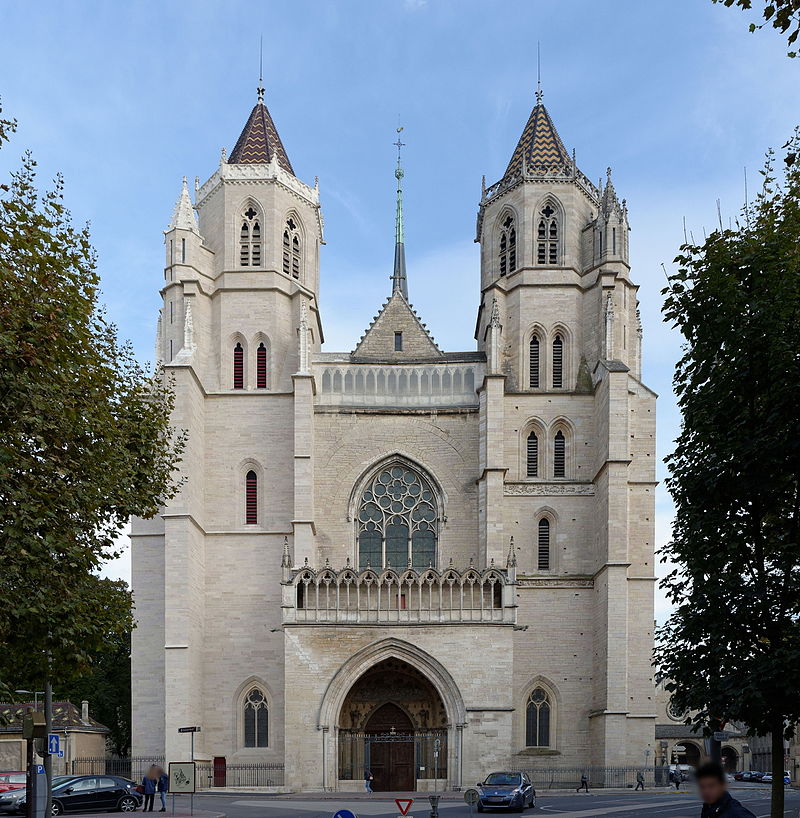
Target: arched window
x,y
547,236
543,546
250,238
292,257
533,455
559,454
251,498
537,719
261,366
238,366
256,719
533,363
397,520
558,362
508,246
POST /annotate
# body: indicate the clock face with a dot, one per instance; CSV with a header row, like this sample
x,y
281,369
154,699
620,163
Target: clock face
x,y
674,712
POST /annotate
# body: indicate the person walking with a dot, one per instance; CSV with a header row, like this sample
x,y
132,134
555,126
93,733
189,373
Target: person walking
x,y
584,785
675,777
713,790
640,781
149,784
163,788
368,778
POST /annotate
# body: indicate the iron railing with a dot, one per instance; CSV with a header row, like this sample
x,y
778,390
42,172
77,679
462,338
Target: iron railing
x,y
133,767
258,774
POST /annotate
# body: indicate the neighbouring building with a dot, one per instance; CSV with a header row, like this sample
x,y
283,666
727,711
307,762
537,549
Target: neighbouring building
x,y
424,562
81,736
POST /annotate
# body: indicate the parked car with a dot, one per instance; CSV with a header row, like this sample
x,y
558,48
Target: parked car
x,y
93,793
12,781
9,801
506,790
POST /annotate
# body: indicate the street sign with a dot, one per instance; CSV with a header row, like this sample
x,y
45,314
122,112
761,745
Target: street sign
x,y
722,735
678,748
404,804
344,813
188,729
182,777
471,797
54,744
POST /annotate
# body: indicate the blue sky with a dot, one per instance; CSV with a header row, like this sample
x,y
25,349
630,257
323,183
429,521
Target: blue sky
x,y
127,98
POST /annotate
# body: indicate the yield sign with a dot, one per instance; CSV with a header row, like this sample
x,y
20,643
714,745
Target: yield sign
x,y
404,804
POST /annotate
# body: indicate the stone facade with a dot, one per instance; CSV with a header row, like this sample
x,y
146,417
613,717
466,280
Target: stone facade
x,y
482,519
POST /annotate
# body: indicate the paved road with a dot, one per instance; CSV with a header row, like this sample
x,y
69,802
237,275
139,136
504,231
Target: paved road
x,y
626,805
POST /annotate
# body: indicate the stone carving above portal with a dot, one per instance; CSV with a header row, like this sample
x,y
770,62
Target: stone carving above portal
x,y
548,489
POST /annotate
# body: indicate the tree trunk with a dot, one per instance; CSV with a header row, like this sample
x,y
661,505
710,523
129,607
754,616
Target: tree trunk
x,y
778,787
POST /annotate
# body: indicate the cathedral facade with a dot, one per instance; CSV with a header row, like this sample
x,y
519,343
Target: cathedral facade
x,y
424,563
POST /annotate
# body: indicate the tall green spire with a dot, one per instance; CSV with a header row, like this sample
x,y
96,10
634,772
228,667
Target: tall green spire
x,y
399,281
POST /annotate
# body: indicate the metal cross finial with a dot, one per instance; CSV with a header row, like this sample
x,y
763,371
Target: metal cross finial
x,y
261,70
539,92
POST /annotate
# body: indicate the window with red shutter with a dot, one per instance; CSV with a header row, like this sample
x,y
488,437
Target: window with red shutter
x,y
251,498
238,367
261,367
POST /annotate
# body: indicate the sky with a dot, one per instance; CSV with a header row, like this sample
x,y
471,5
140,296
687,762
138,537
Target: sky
x,y
125,99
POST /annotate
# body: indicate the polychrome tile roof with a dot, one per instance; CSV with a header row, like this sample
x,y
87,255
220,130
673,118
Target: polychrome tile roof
x,y
259,141
541,146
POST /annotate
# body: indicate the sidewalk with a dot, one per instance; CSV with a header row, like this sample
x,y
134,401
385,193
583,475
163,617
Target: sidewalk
x,y
449,795
181,811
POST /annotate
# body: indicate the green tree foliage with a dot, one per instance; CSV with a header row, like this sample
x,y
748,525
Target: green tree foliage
x,y
732,645
783,15
85,442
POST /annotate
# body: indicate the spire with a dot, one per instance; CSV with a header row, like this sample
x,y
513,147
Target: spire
x,y
183,214
259,142
540,149
399,281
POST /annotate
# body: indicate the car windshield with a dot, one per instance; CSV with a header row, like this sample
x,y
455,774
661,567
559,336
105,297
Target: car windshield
x,y
503,779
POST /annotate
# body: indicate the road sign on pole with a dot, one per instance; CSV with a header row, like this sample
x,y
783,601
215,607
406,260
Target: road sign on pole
x,y
54,744
344,813
404,804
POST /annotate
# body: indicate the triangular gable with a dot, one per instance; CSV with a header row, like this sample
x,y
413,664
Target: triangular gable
x,y
379,341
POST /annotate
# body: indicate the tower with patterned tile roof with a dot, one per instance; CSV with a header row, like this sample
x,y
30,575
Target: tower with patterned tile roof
x,y
572,421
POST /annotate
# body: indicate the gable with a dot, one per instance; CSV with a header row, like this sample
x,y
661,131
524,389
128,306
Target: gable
x,y
379,341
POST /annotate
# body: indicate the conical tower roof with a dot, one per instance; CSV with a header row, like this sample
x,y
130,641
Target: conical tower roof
x,y
540,148
259,142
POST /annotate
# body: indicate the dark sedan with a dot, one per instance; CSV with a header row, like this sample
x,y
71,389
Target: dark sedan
x,y
93,793
506,790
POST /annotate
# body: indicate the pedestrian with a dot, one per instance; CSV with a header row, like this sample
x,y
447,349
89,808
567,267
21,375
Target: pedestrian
x,y
584,783
713,789
675,777
149,784
163,788
368,781
640,780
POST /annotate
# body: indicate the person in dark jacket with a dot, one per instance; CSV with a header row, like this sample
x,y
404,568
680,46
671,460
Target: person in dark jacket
x,y
713,789
640,780
149,784
163,788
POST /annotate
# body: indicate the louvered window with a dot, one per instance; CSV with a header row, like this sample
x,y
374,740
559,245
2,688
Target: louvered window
x,y
251,498
533,455
558,362
292,255
534,362
547,236
559,455
543,546
250,239
508,246
238,367
261,367
287,253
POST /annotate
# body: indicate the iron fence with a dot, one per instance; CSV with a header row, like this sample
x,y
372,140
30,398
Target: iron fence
x,y
133,767
559,778
261,774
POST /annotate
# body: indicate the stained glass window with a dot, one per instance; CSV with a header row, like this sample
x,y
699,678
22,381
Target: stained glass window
x,y
256,719
537,719
397,520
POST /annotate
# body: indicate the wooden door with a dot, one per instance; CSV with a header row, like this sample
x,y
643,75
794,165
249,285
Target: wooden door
x,y
391,750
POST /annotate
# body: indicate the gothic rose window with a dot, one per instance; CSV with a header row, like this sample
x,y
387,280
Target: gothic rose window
x,y
256,719
537,719
397,520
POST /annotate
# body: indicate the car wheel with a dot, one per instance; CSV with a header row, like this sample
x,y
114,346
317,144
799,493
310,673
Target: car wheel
x,y
57,809
533,802
127,804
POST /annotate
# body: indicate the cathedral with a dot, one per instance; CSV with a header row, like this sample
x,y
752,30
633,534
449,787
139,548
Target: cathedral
x,y
424,563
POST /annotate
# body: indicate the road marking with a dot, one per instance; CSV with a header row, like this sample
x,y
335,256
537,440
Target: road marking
x,y
330,807
613,810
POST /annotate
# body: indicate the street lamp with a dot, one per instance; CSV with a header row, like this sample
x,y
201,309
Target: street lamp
x,y
34,693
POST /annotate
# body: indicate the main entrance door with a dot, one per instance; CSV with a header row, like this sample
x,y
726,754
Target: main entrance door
x,y
390,734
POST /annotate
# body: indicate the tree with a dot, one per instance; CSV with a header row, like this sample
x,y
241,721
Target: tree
x,y
85,441
783,15
732,645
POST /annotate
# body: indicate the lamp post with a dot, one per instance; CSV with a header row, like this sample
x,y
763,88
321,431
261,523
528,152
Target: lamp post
x,y
34,693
